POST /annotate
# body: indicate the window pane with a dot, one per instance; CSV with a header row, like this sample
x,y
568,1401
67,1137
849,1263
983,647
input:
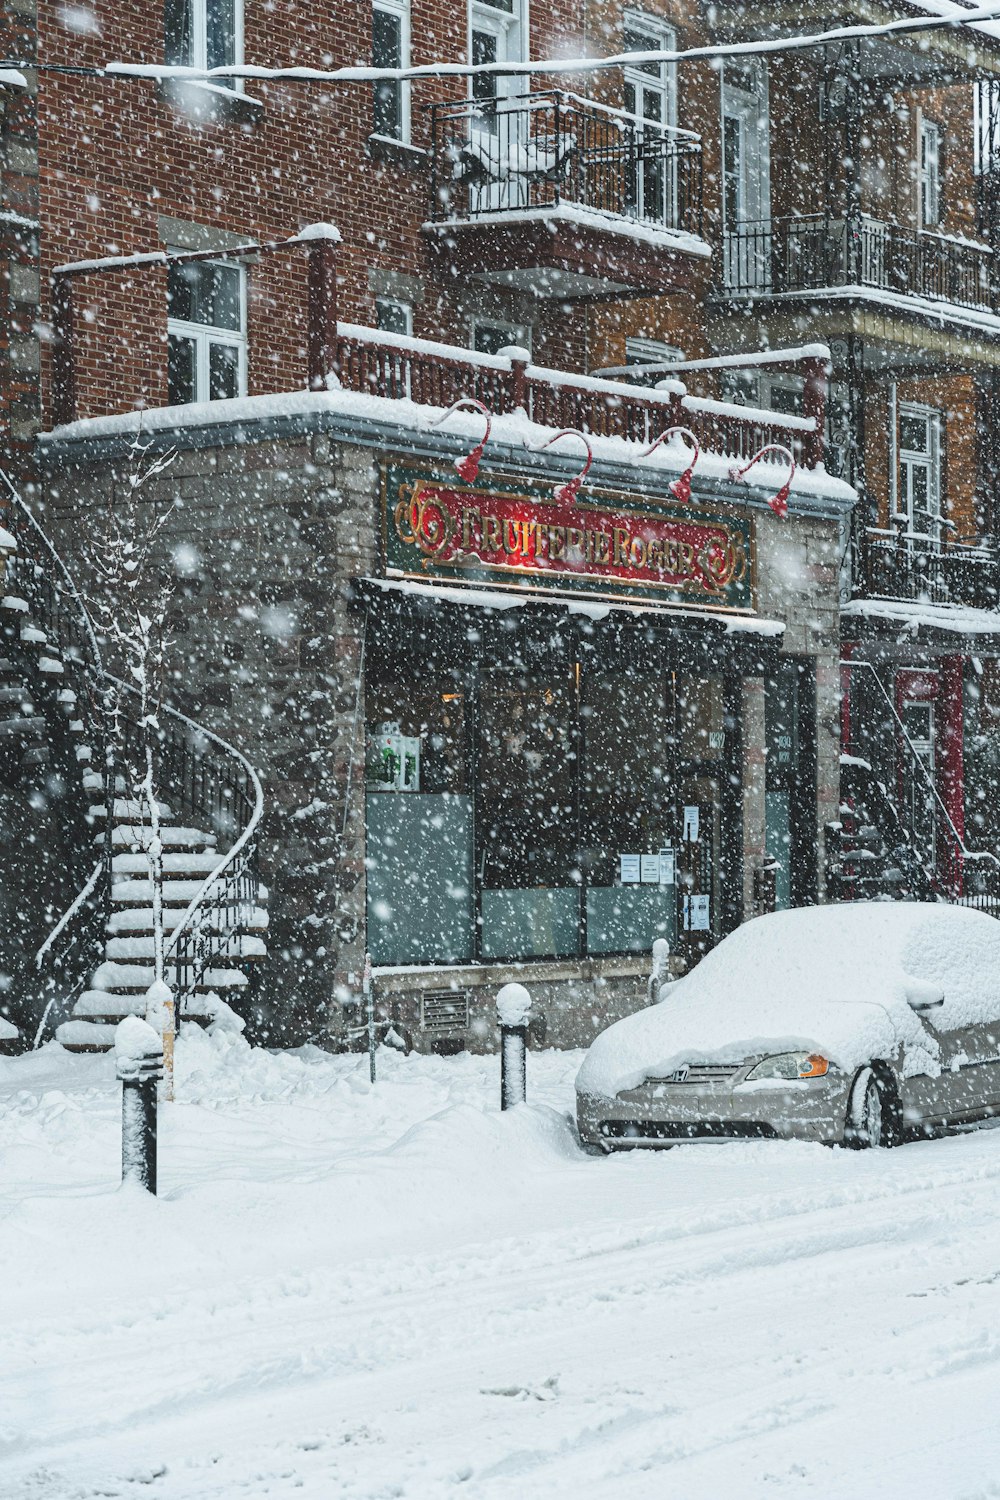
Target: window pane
x,y
419,824
392,316
387,52
223,372
490,338
178,36
913,434
507,5
181,366
202,292
220,37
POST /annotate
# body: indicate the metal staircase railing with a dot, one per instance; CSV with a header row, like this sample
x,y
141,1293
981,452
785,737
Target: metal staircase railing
x,y
210,779
212,782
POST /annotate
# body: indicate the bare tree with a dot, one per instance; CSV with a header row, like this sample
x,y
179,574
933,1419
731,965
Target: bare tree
x,y
130,600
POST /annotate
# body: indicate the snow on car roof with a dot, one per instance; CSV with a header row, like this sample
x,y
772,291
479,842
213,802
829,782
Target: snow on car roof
x,y
829,979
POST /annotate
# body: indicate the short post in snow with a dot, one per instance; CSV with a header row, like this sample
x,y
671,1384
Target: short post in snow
x,y
366,990
139,1067
513,1013
658,973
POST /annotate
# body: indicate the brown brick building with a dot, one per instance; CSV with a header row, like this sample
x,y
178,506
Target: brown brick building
x,y
741,227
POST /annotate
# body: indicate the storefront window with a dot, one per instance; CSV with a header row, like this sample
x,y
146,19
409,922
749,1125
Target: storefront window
x,y
545,795
419,825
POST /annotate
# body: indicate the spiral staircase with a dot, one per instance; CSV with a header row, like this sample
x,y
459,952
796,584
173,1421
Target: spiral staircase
x,y
76,888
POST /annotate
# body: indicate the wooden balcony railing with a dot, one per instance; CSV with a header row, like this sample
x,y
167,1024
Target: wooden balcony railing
x,y
393,367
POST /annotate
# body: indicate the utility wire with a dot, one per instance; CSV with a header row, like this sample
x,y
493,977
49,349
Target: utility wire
x,y
160,72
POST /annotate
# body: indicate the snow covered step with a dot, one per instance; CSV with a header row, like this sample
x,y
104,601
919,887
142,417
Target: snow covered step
x,y
14,604
22,724
14,692
50,666
173,864
33,636
139,893
131,979
86,1036
245,947
130,835
129,810
140,919
99,1005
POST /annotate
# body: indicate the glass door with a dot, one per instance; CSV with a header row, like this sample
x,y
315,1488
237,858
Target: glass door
x,y
497,128
650,95
526,827
746,189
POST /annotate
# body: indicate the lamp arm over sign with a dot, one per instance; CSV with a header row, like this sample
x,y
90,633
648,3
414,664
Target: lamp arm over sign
x,y
680,488
778,502
566,493
468,467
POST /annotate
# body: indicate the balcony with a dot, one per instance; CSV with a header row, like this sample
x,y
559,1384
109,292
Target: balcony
x,y
819,252
564,197
905,566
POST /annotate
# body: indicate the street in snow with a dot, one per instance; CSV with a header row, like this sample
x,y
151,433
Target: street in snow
x,y
347,1291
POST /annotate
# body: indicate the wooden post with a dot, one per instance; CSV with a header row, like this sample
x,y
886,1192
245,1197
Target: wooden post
x,y
321,241
63,352
519,361
814,405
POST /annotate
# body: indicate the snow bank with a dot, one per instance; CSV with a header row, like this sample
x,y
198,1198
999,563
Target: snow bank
x,y
830,979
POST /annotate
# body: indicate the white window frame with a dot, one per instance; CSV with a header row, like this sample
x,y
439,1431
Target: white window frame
x,y
643,351
199,41
910,460
928,174
400,11
746,101
204,335
662,38
515,333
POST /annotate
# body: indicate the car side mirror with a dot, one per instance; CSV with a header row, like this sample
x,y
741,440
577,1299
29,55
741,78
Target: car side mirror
x,y
921,997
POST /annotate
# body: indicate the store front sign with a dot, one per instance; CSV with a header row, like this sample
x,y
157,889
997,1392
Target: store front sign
x,y
436,529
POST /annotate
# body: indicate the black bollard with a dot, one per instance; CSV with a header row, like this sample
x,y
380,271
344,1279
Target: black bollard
x,y
513,1011
139,1066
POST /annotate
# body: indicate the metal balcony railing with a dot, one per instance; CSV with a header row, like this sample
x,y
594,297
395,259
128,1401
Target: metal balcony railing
x,y
511,155
904,565
813,252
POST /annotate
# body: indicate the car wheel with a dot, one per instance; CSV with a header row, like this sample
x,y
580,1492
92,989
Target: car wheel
x,y
872,1112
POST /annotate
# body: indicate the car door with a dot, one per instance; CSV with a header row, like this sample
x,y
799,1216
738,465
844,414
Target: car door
x,y
969,1081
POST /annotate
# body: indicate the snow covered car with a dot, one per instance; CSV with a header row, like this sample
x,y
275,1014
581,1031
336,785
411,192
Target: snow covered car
x,y
847,1024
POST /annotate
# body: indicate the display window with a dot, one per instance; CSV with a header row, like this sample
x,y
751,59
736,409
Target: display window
x,y
546,795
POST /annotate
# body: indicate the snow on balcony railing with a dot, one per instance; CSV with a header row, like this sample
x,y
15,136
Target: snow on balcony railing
x,y
429,373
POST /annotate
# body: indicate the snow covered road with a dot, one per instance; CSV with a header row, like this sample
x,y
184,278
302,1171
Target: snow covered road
x,y
346,1292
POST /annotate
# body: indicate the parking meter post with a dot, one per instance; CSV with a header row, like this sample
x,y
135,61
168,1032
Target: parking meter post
x,y
139,1068
366,990
513,1014
660,969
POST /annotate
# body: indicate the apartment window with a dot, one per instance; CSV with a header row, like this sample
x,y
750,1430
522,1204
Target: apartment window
x,y
930,175
490,337
391,49
206,331
204,34
393,316
649,91
920,470
740,387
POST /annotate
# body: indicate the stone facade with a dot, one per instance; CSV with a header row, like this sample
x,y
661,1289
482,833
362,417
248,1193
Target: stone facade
x,y
273,524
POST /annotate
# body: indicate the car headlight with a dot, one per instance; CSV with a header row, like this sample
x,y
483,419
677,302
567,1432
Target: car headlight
x,y
791,1065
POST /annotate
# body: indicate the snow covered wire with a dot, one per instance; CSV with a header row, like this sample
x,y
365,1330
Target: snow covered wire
x,y
368,75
